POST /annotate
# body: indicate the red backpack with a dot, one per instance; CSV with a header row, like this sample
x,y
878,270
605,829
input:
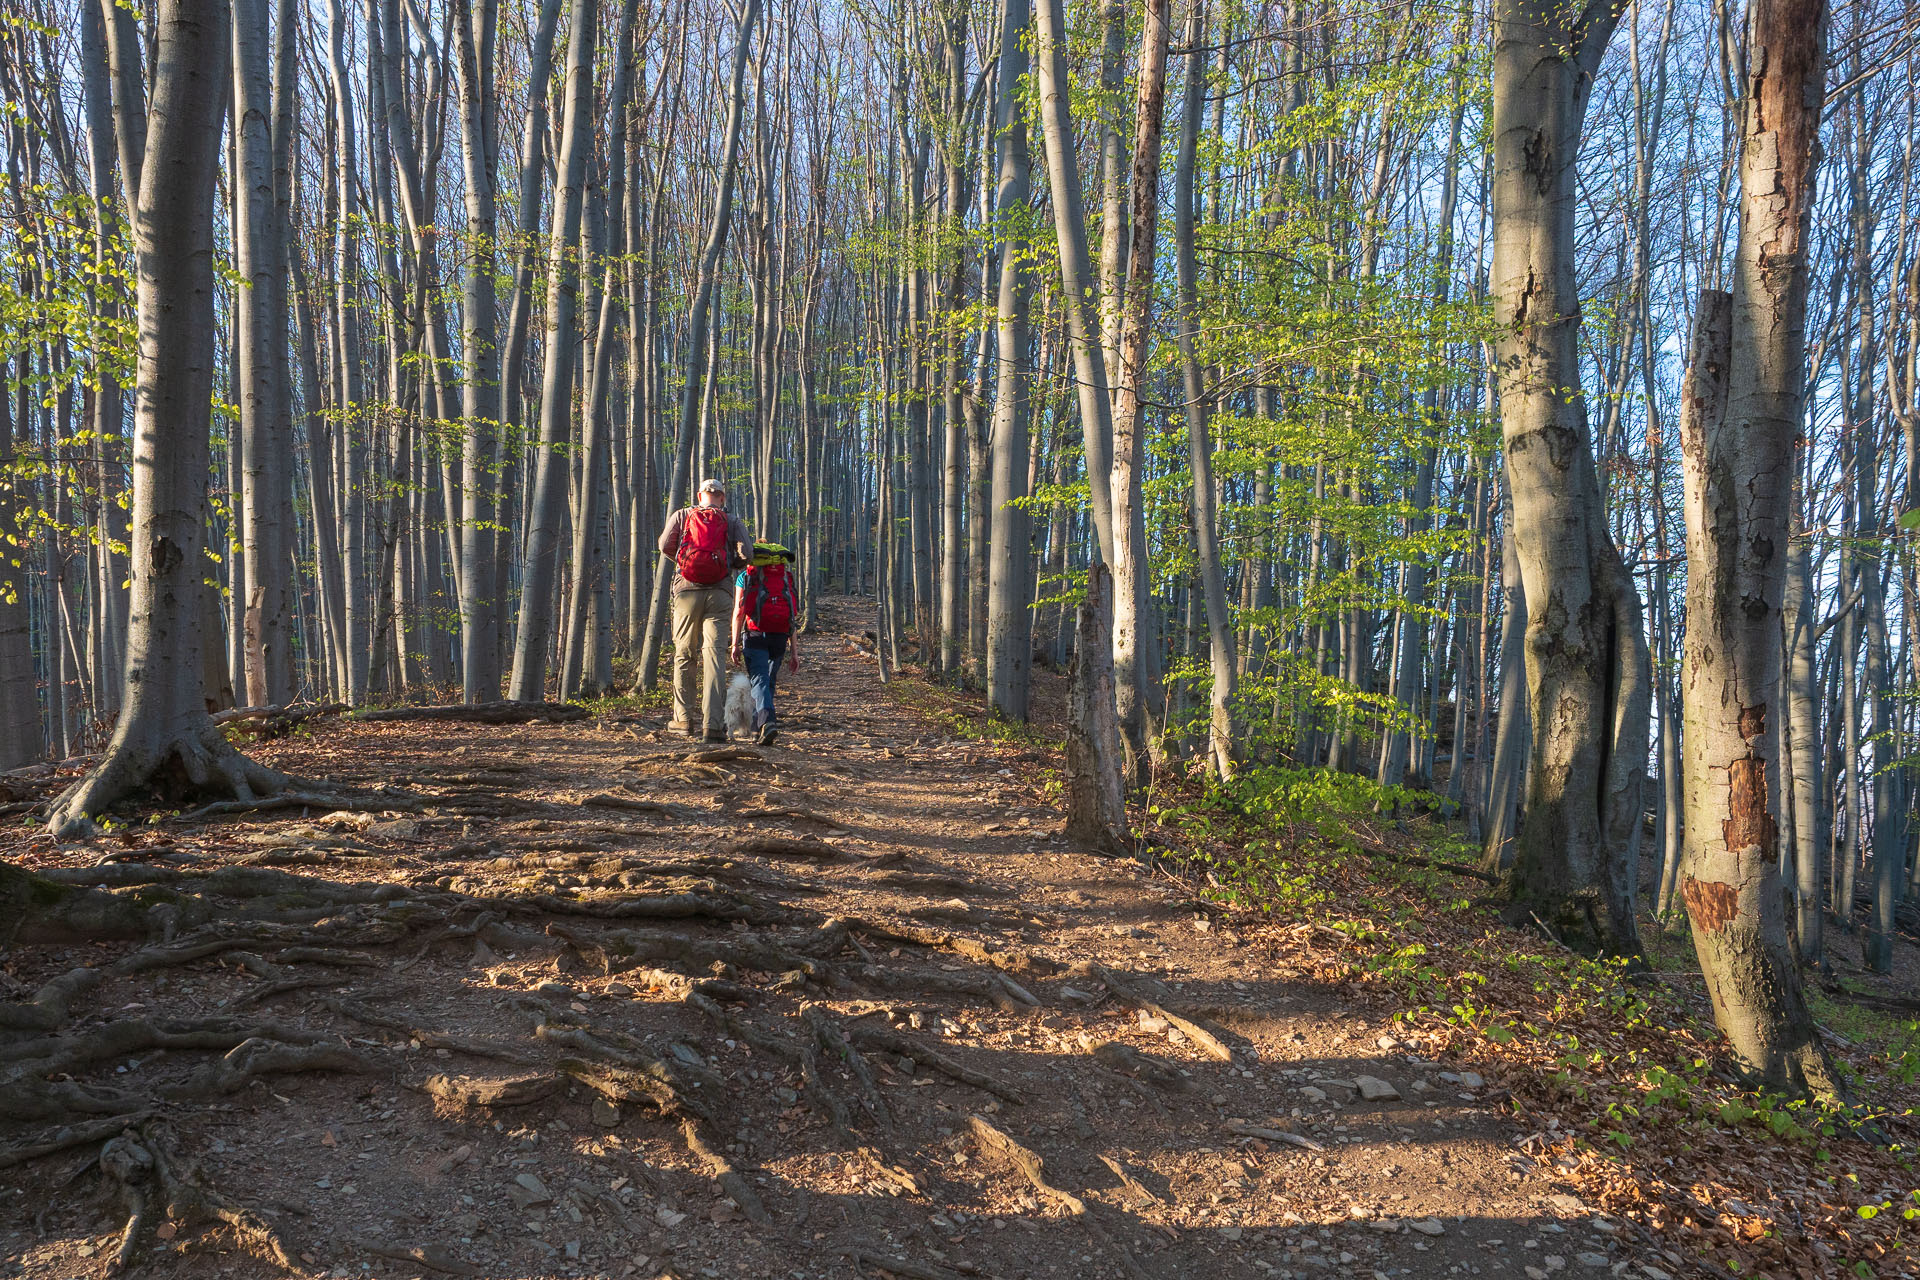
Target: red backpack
x,y
771,602
702,557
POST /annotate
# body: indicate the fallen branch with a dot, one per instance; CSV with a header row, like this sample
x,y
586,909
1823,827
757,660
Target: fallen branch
x,y
1266,1134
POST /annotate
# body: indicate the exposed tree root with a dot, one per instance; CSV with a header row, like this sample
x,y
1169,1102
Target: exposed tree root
x,y
1124,1057
608,800
668,906
40,908
1128,1181
866,1260
66,1137
188,763
928,1056
154,1186
327,801
723,755
995,1142
426,1038
473,1091
29,1098
997,988
786,847
275,722
723,1172
929,883
829,1035
503,712
1130,995
431,1257
626,949
971,948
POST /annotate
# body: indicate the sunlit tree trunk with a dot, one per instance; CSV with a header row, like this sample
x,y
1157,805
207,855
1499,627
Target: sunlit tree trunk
x,y
1223,735
165,735
1739,474
1134,650
1077,293
547,507
1586,657
697,327
1009,620
260,319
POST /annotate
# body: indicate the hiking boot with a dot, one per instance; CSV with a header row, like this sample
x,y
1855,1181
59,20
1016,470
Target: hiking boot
x,y
767,733
676,726
715,737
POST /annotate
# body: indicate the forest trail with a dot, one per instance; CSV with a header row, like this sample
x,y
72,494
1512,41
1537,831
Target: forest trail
x,y
858,967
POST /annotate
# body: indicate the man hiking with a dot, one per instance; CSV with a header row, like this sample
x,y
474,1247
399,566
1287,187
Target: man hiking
x,y
765,607
706,544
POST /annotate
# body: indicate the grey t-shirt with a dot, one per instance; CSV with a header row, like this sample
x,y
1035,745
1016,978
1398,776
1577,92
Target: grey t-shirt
x,y
739,548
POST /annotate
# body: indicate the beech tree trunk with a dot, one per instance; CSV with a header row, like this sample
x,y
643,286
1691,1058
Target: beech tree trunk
x,y
1133,654
582,673
1096,801
547,507
260,321
1078,296
697,327
165,735
1223,737
22,738
474,23
1739,487
1586,654
1009,621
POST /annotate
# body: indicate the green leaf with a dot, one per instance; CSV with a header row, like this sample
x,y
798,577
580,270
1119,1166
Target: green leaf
x,y
1910,519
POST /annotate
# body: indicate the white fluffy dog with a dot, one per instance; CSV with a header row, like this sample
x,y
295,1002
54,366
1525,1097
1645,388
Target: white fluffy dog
x,y
740,706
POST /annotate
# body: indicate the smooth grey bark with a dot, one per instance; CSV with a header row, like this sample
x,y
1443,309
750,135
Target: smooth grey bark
x,y
474,23
350,448
697,327
1399,753
546,509
164,734
1096,800
1009,620
1113,180
948,237
260,321
1077,294
1801,758
1586,652
1739,486
1134,654
108,400
1513,743
1703,403
1223,736
22,739
583,673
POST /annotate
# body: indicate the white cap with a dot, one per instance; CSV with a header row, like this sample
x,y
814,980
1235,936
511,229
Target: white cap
x,y
711,485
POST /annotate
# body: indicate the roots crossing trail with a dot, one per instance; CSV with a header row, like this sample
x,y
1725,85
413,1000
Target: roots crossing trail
x,y
612,1004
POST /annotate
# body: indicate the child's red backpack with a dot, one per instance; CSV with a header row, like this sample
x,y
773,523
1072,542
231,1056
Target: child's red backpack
x,y
770,599
702,556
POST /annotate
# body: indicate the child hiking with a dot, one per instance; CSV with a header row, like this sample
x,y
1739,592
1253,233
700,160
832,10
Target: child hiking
x,y
765,607
706,544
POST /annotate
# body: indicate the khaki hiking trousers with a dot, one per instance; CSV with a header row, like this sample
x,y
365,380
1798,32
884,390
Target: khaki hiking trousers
x,y
702,617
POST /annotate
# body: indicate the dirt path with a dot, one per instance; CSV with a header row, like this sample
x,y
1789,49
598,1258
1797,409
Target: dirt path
x,y
842,1006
